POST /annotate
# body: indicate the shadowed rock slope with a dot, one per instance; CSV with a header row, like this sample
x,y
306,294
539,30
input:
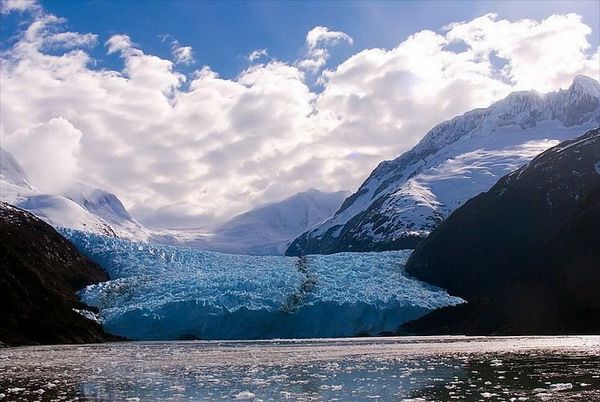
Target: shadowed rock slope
x,y
40,273
526,254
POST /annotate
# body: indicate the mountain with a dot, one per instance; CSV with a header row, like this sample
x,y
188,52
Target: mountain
x,y
403,200
266,230
109,208
80,207
11,171
40,273
525,254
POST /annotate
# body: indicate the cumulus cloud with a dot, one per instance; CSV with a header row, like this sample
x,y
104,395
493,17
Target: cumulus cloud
x,y
48,153
257,54
538,55
8,6
319,36
119,43
189,155
182,54
318,40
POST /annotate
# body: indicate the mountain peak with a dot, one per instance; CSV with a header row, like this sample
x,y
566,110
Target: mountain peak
x,y
404,199
585,85
11,171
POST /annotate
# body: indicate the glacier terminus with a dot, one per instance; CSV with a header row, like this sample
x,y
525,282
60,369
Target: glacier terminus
x,y
159,292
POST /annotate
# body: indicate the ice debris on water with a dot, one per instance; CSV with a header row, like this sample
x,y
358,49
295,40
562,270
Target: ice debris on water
x,y
166,292
244,396
561,386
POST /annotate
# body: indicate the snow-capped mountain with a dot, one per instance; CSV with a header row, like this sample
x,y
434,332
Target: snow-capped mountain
x,y
80,207
405,198
526,253
11,171
109,208
265,230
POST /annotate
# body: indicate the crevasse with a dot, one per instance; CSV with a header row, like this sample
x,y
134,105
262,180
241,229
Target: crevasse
x,y
159,292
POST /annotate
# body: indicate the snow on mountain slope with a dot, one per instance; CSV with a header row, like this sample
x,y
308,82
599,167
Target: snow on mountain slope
x,y
59,211
404,199
99,202
109,208
547,214
165,292
81,207
266,230
11,171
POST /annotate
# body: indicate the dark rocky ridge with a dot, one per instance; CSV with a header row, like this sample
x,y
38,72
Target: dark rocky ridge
x,y
526,254
40,273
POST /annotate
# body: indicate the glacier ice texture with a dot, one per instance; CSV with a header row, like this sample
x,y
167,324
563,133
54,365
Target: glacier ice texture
x,y
159,292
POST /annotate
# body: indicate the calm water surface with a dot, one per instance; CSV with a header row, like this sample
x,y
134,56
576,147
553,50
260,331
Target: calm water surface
x,y
365,369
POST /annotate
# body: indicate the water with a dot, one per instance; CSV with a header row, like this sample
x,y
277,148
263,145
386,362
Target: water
x,y
359,369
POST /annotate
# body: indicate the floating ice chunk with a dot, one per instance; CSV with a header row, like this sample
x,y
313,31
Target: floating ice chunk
x,y
165,292
90,315
244,396
561,386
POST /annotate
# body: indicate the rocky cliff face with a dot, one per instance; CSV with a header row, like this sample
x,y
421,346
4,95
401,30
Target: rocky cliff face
x,y
526,254
40,273
403,200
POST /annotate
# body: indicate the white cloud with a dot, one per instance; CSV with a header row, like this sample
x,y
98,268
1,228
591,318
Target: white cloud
x,y
187,155
119,43
257,54
318,40
48,152
322,36
145,72
8,6
540,55
182,54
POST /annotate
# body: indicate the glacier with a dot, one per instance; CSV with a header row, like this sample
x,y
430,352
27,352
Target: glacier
x,y
161,292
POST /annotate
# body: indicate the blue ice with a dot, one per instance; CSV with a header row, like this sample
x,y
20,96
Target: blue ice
x,y
159,292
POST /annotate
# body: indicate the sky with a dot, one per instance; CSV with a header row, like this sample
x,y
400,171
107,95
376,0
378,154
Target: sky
x,y
192,112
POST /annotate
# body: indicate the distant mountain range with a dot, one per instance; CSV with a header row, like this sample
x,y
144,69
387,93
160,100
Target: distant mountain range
x,y
403,200
525,254
398,205
265,230
80,207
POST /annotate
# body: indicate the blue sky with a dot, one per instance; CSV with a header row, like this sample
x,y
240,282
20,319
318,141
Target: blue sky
x,y
347,85
223,32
